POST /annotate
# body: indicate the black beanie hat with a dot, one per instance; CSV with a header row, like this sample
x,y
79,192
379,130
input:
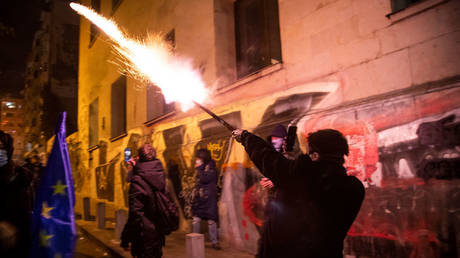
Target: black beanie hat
x,y
279,131
7,141
329,144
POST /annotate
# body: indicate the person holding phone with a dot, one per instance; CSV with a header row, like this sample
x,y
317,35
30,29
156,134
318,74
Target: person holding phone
x,y
143,229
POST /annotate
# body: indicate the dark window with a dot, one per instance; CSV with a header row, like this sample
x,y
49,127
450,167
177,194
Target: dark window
x,y
115,4
257,35
156,104
171,38
96,5
93,122
118,107
398,5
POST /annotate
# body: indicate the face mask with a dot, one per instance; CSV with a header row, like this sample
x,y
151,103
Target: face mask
x,y
277,144
198,162
3,158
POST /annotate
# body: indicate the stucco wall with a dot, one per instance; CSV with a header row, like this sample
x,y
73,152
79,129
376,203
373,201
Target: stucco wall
x,y
339,57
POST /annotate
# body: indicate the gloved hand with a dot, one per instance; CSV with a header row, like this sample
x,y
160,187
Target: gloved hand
x,y
237,134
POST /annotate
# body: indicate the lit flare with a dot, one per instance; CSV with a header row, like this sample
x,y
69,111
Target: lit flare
x,y
153,60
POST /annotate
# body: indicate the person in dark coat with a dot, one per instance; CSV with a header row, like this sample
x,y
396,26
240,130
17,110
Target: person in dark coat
x,y
316,201
204,206
15,203
141,229
36,169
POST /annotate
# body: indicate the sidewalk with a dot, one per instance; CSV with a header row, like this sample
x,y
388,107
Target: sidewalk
x,y
175,243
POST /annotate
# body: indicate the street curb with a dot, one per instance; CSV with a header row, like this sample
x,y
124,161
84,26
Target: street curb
x,y
111,249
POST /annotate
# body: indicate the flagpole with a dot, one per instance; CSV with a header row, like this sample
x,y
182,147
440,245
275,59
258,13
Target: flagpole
x,y
218,118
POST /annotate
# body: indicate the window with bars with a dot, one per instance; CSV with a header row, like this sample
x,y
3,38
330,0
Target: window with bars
x,y
93,123
257,35
171,38
96,5
157,107
118,108
115,4
156,104
398,5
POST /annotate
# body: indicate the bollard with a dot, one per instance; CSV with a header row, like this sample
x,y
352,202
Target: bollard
x,y
100,215
195,245
86,209
120,221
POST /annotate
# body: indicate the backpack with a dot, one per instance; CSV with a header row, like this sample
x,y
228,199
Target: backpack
x,y
167,212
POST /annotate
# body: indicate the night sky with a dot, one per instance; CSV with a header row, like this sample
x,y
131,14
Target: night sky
x,y
18,21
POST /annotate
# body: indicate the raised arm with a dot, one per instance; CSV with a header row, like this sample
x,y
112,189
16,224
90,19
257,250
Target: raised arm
x,y
271,163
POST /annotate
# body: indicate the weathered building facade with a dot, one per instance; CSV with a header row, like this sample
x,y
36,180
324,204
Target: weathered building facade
x,y
384,72
51,74
11,114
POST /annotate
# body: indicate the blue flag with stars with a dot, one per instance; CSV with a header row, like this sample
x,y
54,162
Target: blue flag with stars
x,y
53,221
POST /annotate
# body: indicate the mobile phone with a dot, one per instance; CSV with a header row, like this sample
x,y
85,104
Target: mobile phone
x,y
127,154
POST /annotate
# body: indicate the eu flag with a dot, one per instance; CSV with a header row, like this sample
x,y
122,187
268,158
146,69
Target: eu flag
x,y
53,221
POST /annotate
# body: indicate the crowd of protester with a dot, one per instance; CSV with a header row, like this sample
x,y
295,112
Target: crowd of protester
x,y
312,203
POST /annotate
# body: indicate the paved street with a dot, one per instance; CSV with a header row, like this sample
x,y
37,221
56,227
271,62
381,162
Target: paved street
x,y
87,248
175,244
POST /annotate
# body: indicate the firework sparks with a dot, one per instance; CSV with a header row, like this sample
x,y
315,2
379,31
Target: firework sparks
x,y
154,61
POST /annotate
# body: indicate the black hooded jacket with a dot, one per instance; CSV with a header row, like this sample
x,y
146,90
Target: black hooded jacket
x,y
314,206
16,205
205,203
142,230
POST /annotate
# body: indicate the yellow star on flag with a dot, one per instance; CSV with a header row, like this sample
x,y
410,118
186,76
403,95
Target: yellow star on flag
x,y
46,210
44,238
59,188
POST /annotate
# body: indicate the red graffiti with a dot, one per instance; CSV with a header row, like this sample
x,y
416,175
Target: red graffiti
x,y
362,139
253,205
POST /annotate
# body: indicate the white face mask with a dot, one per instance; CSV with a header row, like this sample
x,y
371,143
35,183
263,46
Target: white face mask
x,y
3,158
198,162
277,143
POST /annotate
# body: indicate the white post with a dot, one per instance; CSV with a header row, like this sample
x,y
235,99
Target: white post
x,y
195,245
100,215
120,221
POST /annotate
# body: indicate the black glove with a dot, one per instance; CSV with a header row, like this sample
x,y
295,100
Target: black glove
x,y
239,135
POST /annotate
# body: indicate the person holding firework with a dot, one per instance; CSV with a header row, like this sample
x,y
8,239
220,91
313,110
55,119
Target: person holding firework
x,y
316,201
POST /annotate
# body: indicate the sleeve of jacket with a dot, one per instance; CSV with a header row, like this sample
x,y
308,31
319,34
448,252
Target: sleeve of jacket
x,y
271,163
136,205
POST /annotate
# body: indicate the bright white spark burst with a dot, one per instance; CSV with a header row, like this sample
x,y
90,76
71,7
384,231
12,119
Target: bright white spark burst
x,y
153,60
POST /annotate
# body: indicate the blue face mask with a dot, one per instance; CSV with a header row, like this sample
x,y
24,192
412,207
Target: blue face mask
x,y
3,158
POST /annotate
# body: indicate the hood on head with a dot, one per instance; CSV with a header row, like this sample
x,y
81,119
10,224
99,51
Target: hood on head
x,y
151,172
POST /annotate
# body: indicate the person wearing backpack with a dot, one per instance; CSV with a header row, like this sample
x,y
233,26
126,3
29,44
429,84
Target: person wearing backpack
x,y
204,205
144,228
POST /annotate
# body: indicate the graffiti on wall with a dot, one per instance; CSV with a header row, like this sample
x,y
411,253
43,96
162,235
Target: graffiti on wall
x,y
243,199
80,171
405,150
176,166
214,137
410,165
